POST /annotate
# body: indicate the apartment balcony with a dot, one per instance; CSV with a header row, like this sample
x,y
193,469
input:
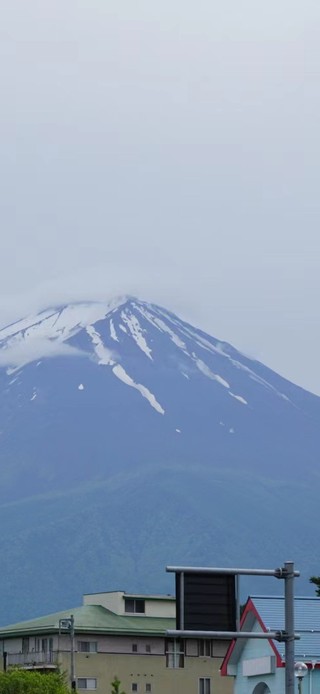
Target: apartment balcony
x,y
34,661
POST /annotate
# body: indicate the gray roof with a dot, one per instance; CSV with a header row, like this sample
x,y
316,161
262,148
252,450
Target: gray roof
x,y
307,623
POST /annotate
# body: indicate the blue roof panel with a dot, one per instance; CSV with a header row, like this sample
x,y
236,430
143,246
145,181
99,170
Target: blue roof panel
x,y
307,622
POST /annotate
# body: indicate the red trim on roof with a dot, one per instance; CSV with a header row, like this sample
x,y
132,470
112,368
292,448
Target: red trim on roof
x,y
224,666
250,607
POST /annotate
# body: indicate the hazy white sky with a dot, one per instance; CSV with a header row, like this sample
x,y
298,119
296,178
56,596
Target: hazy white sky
x,y
170,150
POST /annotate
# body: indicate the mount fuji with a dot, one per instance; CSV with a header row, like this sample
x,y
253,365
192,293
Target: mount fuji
x,y
130,439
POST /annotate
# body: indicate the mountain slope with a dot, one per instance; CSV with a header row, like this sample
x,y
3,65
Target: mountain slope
x,y
129,439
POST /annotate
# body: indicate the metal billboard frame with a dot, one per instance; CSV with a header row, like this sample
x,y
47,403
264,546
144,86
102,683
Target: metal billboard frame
x,y
288,635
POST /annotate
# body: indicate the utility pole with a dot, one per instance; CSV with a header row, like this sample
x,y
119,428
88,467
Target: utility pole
x,y
289,625
68,624
73,670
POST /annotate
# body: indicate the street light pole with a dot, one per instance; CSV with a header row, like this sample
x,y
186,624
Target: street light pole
x,y
300,671
73,669
68,624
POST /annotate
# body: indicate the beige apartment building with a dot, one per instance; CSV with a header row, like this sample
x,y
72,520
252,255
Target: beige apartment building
x,y
118,634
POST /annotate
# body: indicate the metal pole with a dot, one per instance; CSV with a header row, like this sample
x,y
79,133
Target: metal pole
x,y
181,606
242,572
289,625
237,587
73,672
59,635
228,635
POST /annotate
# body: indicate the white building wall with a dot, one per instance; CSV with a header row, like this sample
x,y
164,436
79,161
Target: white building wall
x,y
258,656
115,602
160,608
123,644
111,601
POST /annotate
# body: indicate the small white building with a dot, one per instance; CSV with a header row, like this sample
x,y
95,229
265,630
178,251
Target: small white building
x,y
258,665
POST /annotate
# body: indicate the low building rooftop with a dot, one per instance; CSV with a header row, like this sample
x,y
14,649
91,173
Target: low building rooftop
x,y
140,596
92,619
306,617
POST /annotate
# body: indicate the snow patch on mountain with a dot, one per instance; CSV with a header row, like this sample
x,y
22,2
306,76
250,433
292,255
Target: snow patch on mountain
x,y
137,332
105,356
174,337
209,374
113,333
238,397
162,326
45,334
61,322
119,371
202,342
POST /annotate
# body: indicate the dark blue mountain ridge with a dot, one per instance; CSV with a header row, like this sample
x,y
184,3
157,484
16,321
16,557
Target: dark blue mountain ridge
x,y
130,439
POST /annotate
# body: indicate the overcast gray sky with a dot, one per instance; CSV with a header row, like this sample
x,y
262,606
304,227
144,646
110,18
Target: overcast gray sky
x,y
167,149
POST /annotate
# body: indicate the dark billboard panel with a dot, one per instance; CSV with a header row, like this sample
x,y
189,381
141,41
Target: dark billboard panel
x,y
209,602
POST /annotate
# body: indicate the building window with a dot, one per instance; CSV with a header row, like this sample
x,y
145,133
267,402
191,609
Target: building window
x,y
87,646
204,685
148,687
134,605
148,648
175,653
204,648
44,646
25,644
134,648
134,687
87,683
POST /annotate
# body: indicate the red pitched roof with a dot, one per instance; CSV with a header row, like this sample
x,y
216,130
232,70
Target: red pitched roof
x,y
249,611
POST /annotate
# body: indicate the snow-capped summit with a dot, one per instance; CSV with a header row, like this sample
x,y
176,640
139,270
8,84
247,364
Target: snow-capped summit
x,y
125,408
94,376
125,332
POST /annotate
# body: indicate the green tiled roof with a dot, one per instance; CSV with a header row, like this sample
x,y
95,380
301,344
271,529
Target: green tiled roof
x,y
92,619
